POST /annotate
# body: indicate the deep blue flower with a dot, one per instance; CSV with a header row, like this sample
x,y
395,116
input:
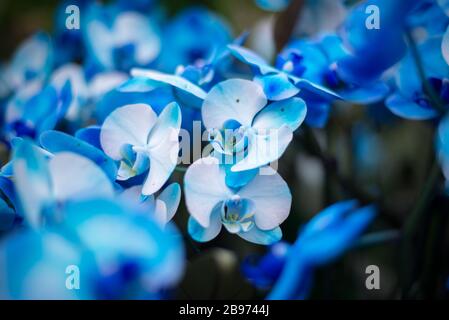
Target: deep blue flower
x,y
412,100
324,238
181,45
119,40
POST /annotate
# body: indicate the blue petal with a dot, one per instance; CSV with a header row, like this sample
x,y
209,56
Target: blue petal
x,y
56,141
91,135
366,95
264,237
201,234
277,86
31,172
249,57
408,109
290,112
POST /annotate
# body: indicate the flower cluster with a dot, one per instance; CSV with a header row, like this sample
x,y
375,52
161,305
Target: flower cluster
x,y
94,120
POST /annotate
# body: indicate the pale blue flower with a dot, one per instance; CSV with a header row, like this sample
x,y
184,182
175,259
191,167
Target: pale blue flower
x,y
44,181
142,141
119,252
263,131
411,99
32,62
118,39
253,212
324,238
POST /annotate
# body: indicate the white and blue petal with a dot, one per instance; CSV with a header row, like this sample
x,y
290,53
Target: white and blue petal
x,y
75,177
277,86
205,188
251,58
32,181
271,198
263,237
235,99
290,112
162,148
128,125
204,234
264,146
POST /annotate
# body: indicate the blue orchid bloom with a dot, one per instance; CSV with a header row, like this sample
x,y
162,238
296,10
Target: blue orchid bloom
x,y
368,59
32,62
326,237
43,183
143,142
181,45
34,109
318,61
253,212
119,40
261,131
411,100
142,262
286,81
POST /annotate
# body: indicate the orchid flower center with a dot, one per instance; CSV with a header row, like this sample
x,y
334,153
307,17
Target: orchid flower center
x,y
237,214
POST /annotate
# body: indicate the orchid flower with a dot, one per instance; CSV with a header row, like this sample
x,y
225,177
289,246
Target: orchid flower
x,y
142,141
254,212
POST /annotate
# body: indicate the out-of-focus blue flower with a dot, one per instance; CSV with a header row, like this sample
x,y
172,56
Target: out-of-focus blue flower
x,y
68,44
286,80
273,5
318,61
411,100
136,265
191,37
253,212
428,18
261,132
34,109
142,141
44,182
328,235
32,62
264,271
119,40
368,58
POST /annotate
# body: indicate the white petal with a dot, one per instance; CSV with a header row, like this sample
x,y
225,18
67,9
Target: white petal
x,y
271,197
264,237
130,124
265,146
204,188
171,196
176,81
77,177
132,27
163,148
32,181
234,99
